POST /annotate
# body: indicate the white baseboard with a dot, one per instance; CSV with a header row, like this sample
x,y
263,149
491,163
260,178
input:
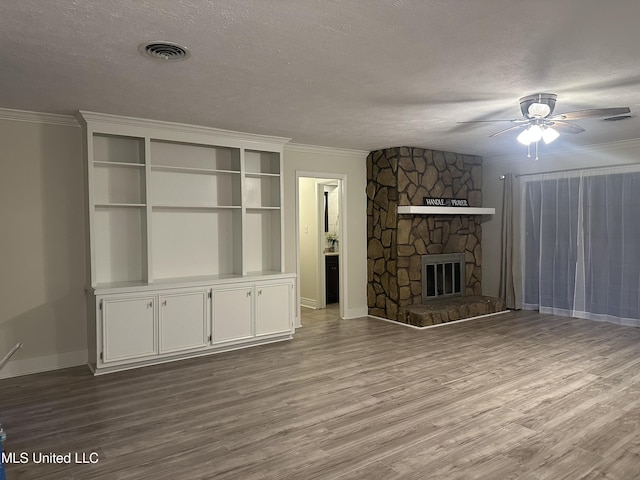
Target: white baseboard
x,y
308,302
478,317
27,366
355,313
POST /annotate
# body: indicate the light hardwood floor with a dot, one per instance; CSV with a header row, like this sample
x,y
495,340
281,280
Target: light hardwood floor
x,y
515,396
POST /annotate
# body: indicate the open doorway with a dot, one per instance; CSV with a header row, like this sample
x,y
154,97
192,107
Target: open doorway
x,y
321,256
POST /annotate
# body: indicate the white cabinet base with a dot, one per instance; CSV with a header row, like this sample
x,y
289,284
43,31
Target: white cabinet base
x,y
144,325
128,329
272,308
103,369
232,313
183,321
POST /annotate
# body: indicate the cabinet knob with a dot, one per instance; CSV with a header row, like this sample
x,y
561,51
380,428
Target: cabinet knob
x,y
164,303
150,304
259,292
248,293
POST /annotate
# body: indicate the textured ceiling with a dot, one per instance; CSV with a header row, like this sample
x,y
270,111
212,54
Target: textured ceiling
x,y
354,74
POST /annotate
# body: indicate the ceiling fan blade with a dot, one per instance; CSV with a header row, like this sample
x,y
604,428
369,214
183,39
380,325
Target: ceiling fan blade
x,y
517,120
516,127
594,112
566,127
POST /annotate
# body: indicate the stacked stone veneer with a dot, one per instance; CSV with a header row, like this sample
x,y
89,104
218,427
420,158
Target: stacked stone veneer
x,y
403,176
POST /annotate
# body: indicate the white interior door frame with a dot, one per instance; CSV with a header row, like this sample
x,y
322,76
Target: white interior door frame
x,y
321,293
342,261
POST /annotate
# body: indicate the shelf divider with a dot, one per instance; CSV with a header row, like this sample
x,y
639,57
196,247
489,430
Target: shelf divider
x,y
210,171
109,205
98,163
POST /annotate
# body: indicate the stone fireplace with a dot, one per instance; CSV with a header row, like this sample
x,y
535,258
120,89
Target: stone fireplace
x,y
403,176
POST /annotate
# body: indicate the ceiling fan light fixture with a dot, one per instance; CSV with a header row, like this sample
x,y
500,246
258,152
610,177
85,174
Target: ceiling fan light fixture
x,y
538,120
525,137
539,110
549,135
535,133
547,99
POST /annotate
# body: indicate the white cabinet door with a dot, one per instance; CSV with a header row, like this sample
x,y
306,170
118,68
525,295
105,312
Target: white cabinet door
x,y
274,308
183,321
128,328
232,313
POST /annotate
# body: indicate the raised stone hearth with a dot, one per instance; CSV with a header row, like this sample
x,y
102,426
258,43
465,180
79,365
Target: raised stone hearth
x,y
446,310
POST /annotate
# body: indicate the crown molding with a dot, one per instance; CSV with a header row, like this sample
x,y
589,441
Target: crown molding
x,y
38,117
108,119
343,152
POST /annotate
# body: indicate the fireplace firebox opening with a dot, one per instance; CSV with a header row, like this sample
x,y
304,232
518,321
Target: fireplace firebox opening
x,y
442,276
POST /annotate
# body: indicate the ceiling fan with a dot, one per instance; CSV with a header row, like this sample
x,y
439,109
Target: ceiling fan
x,y
539,122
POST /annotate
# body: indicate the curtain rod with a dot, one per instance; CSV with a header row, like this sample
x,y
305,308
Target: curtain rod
x,y
502,177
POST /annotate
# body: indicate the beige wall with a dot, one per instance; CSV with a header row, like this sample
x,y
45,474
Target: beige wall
x,y
333,161
617,153
42,238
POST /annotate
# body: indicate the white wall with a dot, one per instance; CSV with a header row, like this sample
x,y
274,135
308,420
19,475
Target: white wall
x,y
335,161
617,153
308,211
42,238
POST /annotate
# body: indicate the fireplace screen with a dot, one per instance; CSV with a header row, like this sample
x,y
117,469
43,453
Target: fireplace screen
x,y
442,275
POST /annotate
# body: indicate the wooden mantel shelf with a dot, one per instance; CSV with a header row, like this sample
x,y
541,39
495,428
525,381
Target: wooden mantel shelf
x,y
422,210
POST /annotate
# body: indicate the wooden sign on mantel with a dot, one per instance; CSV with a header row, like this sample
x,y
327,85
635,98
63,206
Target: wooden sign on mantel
x,y
445,202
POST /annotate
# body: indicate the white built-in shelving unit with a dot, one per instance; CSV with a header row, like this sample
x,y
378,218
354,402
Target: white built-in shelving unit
x,y
183,221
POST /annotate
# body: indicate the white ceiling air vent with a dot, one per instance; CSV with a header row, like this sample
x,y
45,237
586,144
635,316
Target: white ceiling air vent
x,y
164,51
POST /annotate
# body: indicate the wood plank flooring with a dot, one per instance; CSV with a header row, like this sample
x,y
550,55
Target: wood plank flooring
x,y
515,396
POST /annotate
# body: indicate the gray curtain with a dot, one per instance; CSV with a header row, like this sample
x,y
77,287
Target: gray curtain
x,y
510,288
582,246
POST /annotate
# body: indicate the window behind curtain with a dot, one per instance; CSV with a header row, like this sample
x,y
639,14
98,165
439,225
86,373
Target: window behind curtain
x,y
582,246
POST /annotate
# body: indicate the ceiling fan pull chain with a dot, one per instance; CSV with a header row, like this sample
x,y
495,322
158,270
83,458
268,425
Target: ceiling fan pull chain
x,y
536,152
